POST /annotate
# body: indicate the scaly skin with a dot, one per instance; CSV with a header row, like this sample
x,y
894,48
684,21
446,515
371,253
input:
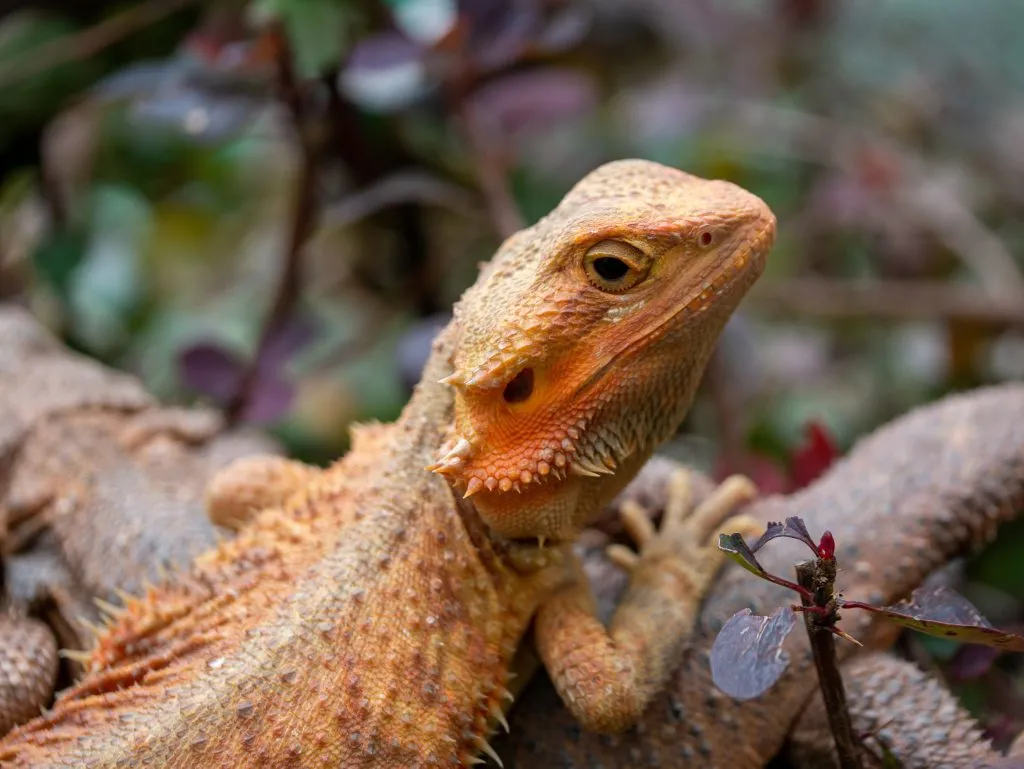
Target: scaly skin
x,y
368,620
930,486
28,669
100,489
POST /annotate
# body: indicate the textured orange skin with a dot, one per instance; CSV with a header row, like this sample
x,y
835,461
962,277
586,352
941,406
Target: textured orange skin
x,y
369,618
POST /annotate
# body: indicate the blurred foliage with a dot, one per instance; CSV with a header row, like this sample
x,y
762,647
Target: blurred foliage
x,y
270,205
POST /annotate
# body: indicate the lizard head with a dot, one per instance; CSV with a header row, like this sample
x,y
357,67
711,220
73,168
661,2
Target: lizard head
x,y
581,346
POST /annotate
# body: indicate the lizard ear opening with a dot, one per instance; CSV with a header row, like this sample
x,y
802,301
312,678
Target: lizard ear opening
x,y
520,387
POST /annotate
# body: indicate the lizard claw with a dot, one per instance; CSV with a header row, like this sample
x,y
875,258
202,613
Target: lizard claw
x,y
688,533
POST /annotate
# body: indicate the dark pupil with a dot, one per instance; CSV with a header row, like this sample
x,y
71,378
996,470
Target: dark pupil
x,y
610,268
520,388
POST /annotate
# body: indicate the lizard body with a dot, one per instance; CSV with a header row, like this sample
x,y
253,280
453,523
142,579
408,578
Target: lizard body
x,y
368,615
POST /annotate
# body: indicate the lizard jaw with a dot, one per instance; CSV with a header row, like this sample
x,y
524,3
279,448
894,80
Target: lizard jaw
x,y
554,457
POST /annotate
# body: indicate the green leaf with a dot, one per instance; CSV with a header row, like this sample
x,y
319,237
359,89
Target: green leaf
x,y
57,256
318,30
36,97
425,21
734,546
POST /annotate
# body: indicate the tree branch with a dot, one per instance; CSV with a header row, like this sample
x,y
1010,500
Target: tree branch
x,y
90,41
886,299
290,285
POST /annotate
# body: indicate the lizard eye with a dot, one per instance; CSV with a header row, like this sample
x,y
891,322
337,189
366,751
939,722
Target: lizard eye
x,y
614,266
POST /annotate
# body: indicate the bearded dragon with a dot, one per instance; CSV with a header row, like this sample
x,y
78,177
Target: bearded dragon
x,y
367,614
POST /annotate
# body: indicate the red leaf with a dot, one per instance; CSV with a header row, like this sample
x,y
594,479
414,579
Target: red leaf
x,y
815,456
827,546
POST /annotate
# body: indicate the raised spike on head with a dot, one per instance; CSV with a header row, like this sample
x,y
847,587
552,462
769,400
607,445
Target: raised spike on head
x,y
454,379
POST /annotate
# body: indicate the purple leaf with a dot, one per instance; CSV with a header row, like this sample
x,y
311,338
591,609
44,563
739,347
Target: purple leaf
x,y
747,657
287,340
530,101
944,613
385,72
414,347
210,369
971,661
270,399
500,31
793,528
566,27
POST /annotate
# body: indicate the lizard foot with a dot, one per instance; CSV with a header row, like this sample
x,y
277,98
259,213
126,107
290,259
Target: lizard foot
x,y
689,532
248,485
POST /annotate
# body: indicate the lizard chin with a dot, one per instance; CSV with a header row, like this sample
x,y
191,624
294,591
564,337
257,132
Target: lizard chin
x,y
555,510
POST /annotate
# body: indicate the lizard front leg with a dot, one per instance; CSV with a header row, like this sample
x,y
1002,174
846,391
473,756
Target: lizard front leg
x,y
254,483
251,484
608,676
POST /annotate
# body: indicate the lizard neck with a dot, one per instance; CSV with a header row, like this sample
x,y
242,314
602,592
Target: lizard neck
x,y
429,415
427,421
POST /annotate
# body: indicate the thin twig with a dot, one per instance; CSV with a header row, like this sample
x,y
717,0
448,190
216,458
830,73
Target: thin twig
x,y
819,576
290,285
888,299
483,138
729,414
399,188
88,42
491,174
916,192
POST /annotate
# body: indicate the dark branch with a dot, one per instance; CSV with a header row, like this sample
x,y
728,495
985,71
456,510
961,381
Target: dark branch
x,y
89,42
290,285
812,577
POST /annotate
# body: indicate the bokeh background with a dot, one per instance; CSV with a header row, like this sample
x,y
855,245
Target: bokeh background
x,y
271,205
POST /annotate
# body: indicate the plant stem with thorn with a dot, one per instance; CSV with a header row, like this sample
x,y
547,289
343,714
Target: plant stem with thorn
x,y
818,576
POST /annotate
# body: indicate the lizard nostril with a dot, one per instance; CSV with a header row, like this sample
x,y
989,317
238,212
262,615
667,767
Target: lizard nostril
x,y
520,387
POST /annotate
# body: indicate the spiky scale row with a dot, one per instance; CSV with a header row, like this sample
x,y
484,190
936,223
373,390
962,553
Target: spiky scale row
x,y
578,453
457,454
